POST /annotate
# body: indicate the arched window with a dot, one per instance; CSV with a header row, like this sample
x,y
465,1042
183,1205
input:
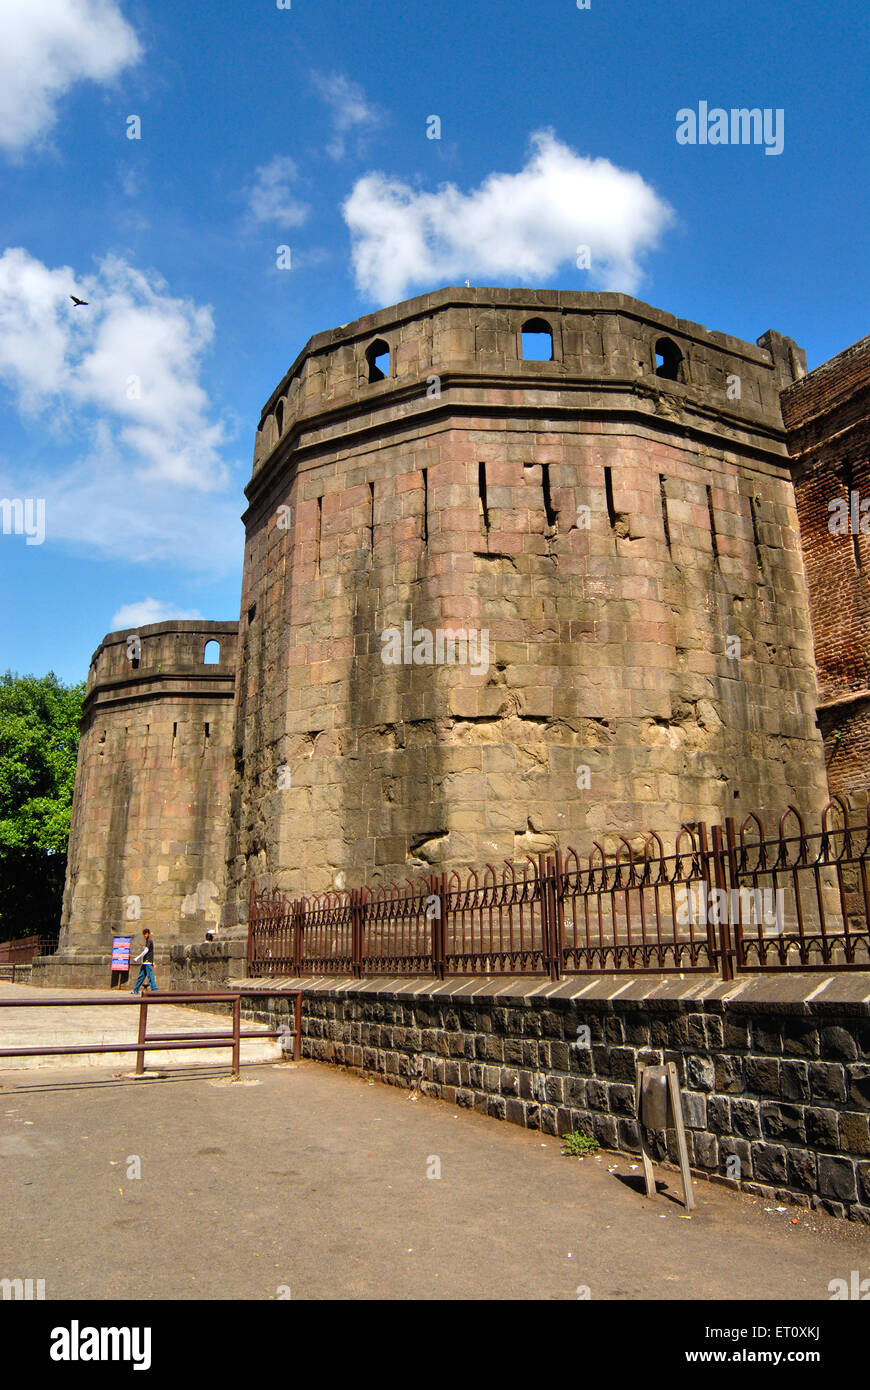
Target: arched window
x,y
378,359
212,654
279,417
669,360
537,341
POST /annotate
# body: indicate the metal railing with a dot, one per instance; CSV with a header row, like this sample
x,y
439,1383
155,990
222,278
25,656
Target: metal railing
x,y
157,1042
727,900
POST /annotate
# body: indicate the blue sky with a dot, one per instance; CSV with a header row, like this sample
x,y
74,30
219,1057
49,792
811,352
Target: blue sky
x,y
134,417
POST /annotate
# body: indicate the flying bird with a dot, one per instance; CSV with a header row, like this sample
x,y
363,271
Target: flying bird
x,y
78,302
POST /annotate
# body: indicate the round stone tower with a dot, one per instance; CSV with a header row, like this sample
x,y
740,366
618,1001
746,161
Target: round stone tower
x,y
497,598
149,820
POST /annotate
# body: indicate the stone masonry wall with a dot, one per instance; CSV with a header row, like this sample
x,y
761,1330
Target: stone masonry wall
x,y
148,834
780,1082
628,543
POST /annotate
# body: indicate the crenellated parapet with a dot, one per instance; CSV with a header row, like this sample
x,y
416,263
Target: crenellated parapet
x,y
468,344
169,659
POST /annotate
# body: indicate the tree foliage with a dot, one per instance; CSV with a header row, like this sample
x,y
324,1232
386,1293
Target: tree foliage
x,y
39,735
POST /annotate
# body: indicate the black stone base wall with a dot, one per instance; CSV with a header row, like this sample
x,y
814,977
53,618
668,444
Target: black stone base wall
x,y
782,1087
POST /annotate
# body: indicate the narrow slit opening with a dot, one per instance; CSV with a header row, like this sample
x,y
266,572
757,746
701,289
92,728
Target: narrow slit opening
x,y
372,518
608,494
713,537
549,510
482,501
425,506
755,536
664,500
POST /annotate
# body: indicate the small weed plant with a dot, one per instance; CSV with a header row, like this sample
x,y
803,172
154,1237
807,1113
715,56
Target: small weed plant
x,y
577,1144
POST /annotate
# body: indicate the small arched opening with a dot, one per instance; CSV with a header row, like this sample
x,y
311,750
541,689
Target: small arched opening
x,y
537,341
378,359
279,418
669,360
212,654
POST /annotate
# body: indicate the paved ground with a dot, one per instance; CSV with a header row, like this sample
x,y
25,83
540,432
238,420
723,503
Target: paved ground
x,y
309,1179
60,1027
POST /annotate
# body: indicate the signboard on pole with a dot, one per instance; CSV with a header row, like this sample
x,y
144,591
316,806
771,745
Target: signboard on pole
x,y
121,953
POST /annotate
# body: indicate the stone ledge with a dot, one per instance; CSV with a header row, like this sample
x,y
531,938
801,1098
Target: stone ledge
x,y
846,992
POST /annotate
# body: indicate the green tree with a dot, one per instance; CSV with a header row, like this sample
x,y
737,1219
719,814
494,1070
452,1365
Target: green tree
x,y
39,735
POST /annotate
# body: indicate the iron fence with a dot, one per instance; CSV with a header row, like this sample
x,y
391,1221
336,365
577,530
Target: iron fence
x,y
727,900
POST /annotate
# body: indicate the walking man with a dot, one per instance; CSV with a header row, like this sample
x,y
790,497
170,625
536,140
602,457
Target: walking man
x,y
147,967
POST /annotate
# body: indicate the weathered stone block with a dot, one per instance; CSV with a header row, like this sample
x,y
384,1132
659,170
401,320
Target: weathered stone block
x,y
822,1127
706,1151
736,1033
761,1075
510,1082
837,1179
858,1082
548,1119
729,1075
783,1122
855,1133
596,1095
801,1167
700,1073
769,1162
695,1110
745,1118
794,1081
621,1099
627,1135
555,1090
827,1081
800,1037
838,1044
604,1128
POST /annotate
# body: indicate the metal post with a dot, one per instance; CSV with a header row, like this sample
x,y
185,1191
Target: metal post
x,y
555,870
252,900
733,877
357,931
712,942
143,1033
546,920
437,890
296,919
237,1028
726,961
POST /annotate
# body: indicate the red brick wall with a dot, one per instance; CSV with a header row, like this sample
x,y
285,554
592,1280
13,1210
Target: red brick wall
x,y
828,422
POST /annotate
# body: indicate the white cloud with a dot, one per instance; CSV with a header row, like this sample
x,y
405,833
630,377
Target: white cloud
x,y
271,199
132,441
46,46
133,354
148,610
513,227
351,109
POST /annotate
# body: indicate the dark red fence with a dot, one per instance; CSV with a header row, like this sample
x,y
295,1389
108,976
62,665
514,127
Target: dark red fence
x,y
726,900
23,951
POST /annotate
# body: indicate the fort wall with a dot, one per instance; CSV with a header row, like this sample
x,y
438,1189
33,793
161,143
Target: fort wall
x,y
619,521
147,842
